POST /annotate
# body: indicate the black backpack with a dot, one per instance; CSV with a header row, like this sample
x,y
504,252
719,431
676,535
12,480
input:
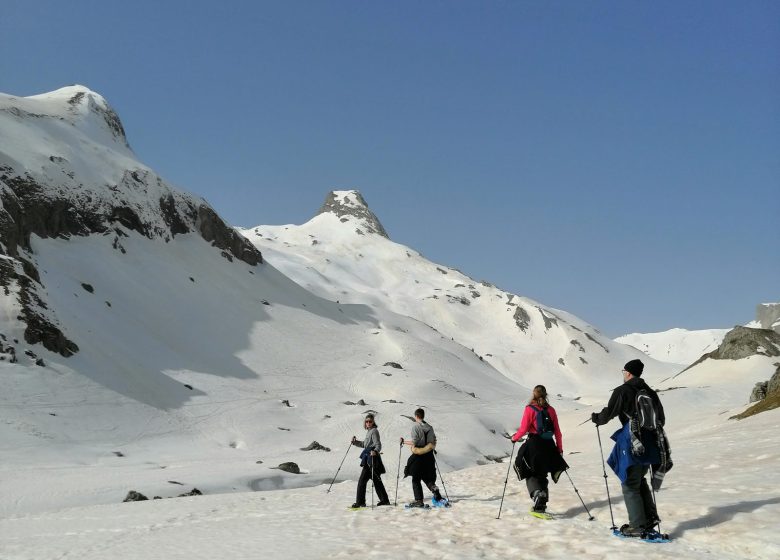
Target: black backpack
x,y
544,424
645,413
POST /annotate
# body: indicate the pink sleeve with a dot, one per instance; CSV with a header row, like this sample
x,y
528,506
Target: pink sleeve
x,y
558,436
525,424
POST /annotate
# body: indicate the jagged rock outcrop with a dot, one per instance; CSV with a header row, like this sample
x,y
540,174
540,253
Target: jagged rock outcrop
x,y
768,316
741,342
345,204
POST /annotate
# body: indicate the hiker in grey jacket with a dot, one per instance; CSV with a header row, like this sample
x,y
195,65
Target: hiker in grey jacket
x,y
371,463
422,464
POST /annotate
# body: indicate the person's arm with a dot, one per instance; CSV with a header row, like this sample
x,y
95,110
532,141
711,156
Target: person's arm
x,y
556,429
525,424
423,450
376,442
357,442
613,408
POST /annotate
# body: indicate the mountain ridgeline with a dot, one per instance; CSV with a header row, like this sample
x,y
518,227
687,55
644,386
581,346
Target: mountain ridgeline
x,y
51,188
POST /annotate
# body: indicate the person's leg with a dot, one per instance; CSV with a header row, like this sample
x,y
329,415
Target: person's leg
x,y
632,495
651,514
379,486
365,474
417,487
537,490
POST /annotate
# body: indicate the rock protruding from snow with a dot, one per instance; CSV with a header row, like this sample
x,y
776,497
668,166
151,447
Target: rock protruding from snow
x,y
741,342
351,205
768,316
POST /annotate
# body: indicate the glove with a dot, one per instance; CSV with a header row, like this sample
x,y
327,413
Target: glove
x,y
354,439
594,417
514,440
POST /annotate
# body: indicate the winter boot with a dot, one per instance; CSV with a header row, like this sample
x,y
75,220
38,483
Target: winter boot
x,y
629,531
540,501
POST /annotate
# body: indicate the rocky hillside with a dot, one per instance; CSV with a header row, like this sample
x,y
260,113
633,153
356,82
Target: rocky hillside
x,y
66,169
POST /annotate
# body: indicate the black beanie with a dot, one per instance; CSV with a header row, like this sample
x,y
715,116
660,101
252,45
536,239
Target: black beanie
x,y
634,367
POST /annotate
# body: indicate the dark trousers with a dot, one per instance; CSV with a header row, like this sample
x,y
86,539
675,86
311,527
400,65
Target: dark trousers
x,y
417,488
365,476
638,498
538,482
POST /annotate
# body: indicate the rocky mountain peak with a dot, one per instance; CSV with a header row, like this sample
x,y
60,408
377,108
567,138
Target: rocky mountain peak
x,y
80,106
350,205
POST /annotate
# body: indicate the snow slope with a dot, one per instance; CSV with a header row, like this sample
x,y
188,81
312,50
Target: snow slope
x,y
719,501
679,346
339,255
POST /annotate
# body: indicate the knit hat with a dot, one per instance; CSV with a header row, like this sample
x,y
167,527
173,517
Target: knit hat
x,y
634,367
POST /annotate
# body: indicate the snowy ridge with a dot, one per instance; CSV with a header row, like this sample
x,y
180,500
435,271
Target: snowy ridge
x,y
678,346
525,340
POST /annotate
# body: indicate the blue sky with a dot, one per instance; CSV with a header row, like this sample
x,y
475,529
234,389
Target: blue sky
x,y
619,160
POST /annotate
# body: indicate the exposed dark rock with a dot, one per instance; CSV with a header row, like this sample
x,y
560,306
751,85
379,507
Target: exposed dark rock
x,y
548,321
284,429
88,287
393,365
133,496
258,462
773,386
289,467
361,402
214,230
175,482
522,318
349,403
118,453
577,344
759,391
315,446
355,206
560,361
285,402
741,342
589,337
188,386
193,492
40,362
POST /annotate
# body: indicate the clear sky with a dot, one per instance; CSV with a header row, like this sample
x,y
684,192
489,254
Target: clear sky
x,y
618,160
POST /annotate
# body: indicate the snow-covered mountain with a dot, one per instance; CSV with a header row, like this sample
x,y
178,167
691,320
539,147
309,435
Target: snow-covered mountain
x,y
148,346
678,346
142,335
344,254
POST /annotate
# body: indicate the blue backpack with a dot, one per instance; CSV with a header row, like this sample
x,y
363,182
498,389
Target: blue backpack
x,y
544,424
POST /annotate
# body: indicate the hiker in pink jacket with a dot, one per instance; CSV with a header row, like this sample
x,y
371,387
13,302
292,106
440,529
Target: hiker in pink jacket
x,y
542,452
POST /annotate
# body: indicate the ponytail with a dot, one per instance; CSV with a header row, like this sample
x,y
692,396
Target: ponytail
x,y
539,397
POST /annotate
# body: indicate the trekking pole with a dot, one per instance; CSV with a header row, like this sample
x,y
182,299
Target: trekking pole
x,y
337,472
435,462
506,480
585,422
372,478
604,468
398,476
590,517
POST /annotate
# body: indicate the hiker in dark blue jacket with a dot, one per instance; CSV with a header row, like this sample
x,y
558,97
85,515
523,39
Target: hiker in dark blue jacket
x,y
631,467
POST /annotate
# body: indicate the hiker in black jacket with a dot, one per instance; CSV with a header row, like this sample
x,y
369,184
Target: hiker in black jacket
x,y
642,514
